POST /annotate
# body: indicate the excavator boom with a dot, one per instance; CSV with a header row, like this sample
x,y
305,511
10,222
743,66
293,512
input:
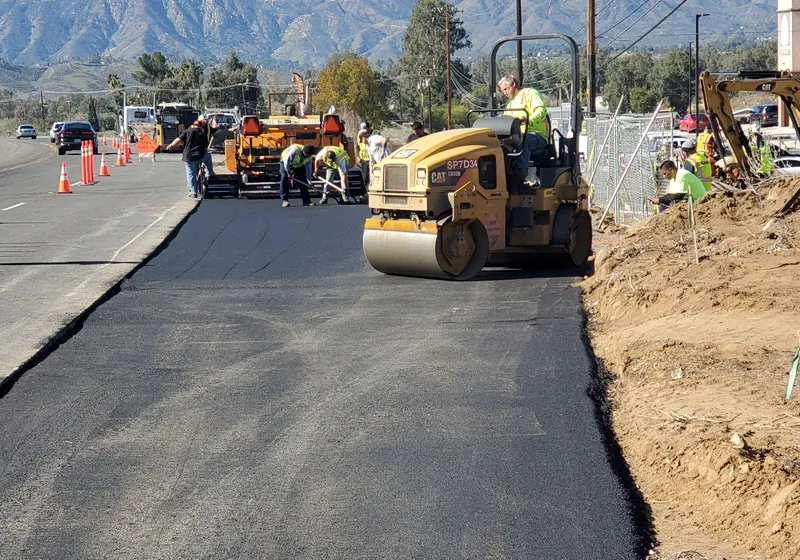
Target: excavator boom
x,y
718,107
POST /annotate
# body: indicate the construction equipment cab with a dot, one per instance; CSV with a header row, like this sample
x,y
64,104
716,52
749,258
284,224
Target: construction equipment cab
x,y
171,120
445,205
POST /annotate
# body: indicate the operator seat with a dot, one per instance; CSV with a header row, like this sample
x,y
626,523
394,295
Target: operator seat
x,y
509,132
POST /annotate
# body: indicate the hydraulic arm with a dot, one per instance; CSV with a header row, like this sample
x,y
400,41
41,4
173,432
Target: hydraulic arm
x,y
718,107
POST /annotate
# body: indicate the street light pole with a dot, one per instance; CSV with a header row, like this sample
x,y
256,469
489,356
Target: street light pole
x,y
697,73
519,43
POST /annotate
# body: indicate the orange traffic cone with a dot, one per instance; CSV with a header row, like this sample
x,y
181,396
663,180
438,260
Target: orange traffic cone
x,y
120,161
63,181
103,166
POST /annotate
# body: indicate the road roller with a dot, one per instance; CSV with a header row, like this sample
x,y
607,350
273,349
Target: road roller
x,y
444,205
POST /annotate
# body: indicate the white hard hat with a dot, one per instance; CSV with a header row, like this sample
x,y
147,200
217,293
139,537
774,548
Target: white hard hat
x,y
688,145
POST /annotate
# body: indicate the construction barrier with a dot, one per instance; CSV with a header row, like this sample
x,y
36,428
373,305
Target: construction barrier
x,y
87,162
63,180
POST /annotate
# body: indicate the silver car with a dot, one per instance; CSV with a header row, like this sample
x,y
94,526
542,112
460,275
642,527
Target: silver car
x,y
26,131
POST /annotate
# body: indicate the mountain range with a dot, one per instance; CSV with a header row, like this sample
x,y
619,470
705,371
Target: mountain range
x,y
307,32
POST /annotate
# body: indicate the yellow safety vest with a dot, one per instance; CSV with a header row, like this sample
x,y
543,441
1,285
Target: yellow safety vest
x,y
298,160
363,154
530,100
703,141
701,167
340,154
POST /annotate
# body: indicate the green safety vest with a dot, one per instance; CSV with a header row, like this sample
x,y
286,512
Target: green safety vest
x,y
298,159
363,154
530,100
341,155
701,167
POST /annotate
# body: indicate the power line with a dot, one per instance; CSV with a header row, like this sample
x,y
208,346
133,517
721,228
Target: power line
x,y
629,47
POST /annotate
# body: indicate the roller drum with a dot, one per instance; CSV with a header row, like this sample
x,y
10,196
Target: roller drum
x,y
454,251
404,253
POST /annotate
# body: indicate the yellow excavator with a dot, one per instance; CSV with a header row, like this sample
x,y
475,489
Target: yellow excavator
x,y
718,108
444,206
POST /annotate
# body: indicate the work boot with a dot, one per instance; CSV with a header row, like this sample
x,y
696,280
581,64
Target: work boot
x,y
285,204
323,200
345,200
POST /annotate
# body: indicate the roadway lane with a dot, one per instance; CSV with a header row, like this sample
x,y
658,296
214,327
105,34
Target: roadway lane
x,y
258,391
60,253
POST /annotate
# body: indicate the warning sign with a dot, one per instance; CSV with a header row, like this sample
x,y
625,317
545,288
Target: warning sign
x,y
146,145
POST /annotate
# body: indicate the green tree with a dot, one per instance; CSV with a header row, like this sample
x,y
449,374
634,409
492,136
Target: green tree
x,y
671,76
118,88
424,55
348,82
152,69
235,84
92,115
626,73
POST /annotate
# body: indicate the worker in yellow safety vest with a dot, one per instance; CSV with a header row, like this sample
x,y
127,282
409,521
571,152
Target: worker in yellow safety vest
x,y
529,107
705,142
362,157
697,163
334,159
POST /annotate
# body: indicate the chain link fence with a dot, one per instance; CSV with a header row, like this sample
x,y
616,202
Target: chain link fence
x,y
610,149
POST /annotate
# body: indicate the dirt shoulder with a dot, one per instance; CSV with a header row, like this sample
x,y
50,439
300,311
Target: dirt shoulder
x,y
700,354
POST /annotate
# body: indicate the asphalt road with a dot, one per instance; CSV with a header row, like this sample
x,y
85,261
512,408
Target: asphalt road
x,y
61,253
256,390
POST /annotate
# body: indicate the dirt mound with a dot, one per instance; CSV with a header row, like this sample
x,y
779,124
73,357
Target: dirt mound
x,y
700,329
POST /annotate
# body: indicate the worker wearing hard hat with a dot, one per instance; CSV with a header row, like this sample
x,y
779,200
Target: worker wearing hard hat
x,y
697,163
682,183
334,159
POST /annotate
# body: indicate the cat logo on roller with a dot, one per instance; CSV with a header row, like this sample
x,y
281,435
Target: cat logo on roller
x,y
451,208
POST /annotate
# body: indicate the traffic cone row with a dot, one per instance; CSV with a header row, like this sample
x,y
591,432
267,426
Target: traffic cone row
x,y
121,144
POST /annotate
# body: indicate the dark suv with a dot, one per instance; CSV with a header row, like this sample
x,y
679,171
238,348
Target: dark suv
x,y
765,115
71,135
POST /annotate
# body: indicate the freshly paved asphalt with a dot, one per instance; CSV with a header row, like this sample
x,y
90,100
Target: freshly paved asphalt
x,y
256,390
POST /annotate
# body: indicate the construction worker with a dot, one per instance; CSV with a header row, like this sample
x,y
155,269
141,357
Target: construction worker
x,y
705,142
528,106
377,148
195,152
362,157
681,184
419,132
697,163
334,159
296,166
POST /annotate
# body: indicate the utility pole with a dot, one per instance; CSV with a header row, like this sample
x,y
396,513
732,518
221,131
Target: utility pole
x,y
430,116
697,73
447,50
519,43
591,67
691,80
41,102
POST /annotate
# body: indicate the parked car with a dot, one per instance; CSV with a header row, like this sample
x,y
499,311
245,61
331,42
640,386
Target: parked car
x,y
26,131
788,164
766,114
56,128
71,135
690,121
